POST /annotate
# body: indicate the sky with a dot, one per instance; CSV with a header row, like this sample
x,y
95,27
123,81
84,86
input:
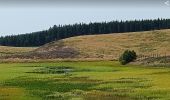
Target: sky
x,y
25,16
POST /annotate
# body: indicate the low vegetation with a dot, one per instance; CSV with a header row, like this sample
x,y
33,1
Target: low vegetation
x,y
102,80
155,61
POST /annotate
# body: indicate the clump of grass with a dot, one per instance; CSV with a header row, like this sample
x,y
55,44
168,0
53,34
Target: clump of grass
x,y
53,70
73,95
102,95
59,96
123,87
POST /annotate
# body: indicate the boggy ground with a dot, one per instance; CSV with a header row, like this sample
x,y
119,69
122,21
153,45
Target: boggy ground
x,y
97,80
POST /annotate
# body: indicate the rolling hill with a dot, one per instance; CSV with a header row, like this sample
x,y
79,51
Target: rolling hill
x,y
106,46
65,31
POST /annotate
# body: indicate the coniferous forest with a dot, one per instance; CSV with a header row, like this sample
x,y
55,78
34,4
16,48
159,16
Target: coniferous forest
x,y
65,31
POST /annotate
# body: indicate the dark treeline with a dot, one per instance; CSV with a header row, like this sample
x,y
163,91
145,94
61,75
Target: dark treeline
x,y
65,31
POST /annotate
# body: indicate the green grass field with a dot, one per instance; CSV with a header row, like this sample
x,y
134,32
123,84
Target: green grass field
x,y
102,80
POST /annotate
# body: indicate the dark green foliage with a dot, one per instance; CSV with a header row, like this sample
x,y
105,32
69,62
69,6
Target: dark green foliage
x,y
127,57
65,31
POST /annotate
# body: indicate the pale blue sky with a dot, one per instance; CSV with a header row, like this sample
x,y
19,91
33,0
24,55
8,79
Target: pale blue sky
x,y
26,17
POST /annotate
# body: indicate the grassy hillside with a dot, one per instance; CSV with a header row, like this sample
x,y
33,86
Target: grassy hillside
x,y
7,50
100,47
110,46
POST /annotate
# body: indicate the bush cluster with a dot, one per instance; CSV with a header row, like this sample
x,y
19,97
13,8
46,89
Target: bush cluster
x,y
127,57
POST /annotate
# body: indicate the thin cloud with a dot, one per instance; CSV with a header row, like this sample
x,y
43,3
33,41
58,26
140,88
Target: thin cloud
x,y
167,3
80,3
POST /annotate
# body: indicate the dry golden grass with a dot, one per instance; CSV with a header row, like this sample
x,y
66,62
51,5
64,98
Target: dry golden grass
x,y
99,47
7,50
110,46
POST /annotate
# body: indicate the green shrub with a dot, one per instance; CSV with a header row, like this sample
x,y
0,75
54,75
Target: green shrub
x,y
127,57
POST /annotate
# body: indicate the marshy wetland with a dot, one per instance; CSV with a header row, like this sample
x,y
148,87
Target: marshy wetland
x,y
97,80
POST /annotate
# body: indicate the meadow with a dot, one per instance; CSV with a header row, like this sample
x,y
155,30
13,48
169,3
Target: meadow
x,y
95,80
7,50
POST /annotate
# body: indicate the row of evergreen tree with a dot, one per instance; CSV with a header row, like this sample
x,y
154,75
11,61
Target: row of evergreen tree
x,y
65,31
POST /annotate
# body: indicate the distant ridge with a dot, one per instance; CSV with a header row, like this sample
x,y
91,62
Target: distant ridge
x,y
66,31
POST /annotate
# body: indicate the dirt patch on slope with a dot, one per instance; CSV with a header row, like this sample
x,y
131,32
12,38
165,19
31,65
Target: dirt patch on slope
x,y
49,51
